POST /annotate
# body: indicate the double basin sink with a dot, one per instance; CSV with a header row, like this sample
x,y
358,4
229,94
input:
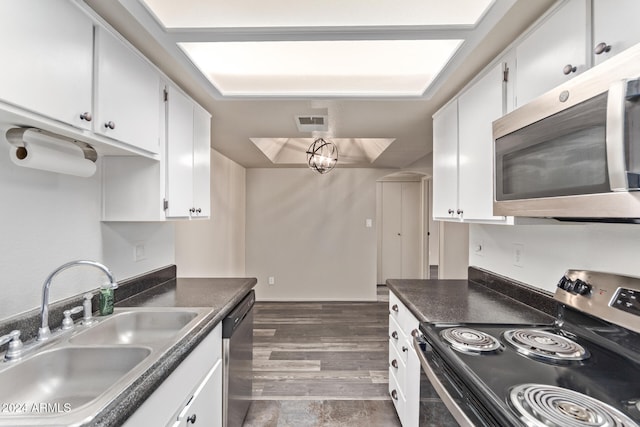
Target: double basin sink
x,y
68,381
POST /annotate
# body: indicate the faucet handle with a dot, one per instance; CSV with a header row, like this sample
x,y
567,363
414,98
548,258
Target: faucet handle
x,y
67,322
86,304
15,345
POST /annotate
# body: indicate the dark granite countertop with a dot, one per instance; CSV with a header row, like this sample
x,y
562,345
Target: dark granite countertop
x,y
221,294
458,301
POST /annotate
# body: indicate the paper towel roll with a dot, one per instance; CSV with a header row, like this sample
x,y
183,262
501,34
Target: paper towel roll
x,y
53,156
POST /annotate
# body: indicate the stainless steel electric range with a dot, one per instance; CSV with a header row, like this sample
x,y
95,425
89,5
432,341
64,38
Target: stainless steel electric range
x,y
581,370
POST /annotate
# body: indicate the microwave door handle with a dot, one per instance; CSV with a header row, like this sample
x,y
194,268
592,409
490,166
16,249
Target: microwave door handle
x,y
616,164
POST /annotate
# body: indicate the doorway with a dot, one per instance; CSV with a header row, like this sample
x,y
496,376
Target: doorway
x,y
403,226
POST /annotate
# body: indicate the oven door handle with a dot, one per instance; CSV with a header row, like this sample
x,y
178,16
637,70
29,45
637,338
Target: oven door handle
x,y
449,402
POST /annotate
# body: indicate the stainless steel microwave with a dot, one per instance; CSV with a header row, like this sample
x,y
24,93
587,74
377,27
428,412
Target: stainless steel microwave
x,y
574,152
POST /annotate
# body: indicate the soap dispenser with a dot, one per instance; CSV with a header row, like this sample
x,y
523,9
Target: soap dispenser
x,y
106,299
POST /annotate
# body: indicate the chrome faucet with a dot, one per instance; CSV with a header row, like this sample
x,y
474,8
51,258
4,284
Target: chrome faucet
x,y
44,332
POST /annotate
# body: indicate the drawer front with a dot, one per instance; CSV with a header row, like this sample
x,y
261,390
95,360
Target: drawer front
x,y
398,367
402,314
397,397
398,339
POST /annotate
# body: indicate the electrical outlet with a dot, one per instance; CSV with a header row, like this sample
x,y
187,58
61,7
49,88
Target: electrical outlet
x,y
139,252
478,248
272,280
518,254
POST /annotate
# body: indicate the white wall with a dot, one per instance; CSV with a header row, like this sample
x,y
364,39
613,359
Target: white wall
x,y
216,247
48,219
548,250
308,232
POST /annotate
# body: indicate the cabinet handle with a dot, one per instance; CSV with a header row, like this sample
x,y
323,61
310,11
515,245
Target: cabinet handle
x,y
568,69
394,307
394,335
191,419
86,116
198,210
394,363
450,211
404,349
459,211
192,210
110,125
601,48
394,394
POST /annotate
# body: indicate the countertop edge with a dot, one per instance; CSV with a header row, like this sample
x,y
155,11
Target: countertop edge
x,y
119,410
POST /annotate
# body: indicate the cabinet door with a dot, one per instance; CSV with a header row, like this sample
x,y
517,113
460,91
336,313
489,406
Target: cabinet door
x,y
47,55
128,95
179,154
205,406
560,41
201,162
478,107
615,24
445,161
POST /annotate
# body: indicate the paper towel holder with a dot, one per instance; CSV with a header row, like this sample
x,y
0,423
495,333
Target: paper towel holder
x,y
16,137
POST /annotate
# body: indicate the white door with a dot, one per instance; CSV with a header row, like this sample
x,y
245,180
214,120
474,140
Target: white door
x,y
201,162
559,42
179,154
127,95
445,161
391,231
47,59
401,230
477,109
615,23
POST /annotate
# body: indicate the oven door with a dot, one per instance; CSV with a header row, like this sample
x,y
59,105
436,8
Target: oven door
x,y
457,400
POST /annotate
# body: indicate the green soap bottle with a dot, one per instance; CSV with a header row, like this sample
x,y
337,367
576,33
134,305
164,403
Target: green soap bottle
x,y
105,300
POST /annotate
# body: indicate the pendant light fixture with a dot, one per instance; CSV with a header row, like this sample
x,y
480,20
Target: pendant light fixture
x,y
322,156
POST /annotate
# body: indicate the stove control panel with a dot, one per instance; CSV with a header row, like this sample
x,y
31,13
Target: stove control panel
x,y
626,300
611,297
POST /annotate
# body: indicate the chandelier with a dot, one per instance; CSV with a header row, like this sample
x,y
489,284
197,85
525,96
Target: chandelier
x,y
322,156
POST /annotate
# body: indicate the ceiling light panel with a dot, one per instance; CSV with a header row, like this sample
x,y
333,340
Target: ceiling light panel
x,y
315,13
322,68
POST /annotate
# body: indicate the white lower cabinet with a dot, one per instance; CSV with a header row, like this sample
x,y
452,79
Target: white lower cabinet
x,y
404,366
192,393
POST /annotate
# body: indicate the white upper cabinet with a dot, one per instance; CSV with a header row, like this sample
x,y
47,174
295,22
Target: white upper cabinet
x,y
445,162
128,95
201,161
478,107
463,152
615,27
188,157
47,59
553,53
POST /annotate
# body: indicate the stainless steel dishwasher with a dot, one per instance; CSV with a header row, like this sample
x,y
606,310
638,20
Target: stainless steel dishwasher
x,y
237,359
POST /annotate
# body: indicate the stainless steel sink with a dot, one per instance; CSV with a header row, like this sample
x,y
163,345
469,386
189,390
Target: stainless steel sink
x,y
136,327
67,378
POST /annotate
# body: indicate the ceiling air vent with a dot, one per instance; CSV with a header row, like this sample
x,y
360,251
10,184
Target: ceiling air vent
x,y
312,123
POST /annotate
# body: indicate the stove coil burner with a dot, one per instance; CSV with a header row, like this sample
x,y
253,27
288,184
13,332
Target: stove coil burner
x,y
467,340
548,406
544,345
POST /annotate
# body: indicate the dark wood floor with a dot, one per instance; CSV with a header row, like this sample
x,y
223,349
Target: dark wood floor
x,y
318,351
321,364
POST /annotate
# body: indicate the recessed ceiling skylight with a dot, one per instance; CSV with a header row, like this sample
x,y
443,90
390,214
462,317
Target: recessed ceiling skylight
x,y
322,68
351,151
315,13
